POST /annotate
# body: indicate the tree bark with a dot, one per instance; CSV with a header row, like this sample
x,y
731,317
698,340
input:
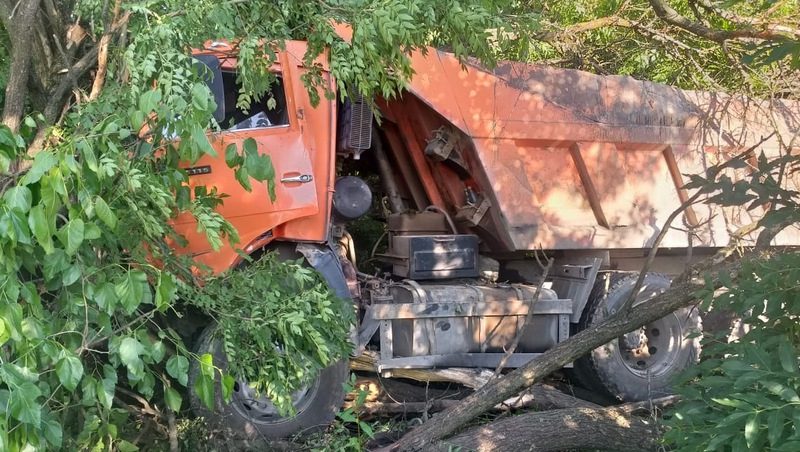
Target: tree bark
x,y
450,420
612,428
21,40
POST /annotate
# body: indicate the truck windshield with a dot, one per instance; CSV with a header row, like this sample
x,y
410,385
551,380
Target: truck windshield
x,y
259,115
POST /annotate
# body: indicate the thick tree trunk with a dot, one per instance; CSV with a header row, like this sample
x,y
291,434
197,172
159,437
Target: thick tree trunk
x,y
450,420
21,40
612,428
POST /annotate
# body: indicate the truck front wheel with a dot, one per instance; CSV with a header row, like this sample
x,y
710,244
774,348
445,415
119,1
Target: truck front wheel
x,y
249,416
642,364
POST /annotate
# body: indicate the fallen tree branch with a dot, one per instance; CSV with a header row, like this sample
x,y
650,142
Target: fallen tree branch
x,y
668,14
613,428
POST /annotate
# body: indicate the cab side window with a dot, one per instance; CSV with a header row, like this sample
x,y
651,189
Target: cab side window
x,y
267,111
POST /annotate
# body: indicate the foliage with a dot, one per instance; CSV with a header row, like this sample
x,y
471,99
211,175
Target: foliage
x,y
746,392
88,197
278,325
627,38
349,433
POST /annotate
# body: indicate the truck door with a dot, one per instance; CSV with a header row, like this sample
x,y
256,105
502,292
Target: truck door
x,y
271,123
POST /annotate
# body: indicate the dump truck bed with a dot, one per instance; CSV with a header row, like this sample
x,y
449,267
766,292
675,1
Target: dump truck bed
x,y
572,160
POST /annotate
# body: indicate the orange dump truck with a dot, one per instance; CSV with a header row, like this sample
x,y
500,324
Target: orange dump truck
x,y
472,171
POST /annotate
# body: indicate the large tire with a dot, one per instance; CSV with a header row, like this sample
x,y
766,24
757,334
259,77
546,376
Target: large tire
x,y
248,417
624,369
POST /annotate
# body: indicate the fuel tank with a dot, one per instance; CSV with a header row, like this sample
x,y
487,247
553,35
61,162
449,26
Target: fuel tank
x,y
459,319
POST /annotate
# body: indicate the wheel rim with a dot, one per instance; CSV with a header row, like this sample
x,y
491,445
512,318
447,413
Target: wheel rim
x,y
259,409
656,355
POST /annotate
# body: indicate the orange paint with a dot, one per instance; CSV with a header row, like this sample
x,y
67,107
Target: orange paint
x,y
560,159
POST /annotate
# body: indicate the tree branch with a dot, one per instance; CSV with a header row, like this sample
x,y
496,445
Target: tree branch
x,y
76,71
768,32
102,56
612,428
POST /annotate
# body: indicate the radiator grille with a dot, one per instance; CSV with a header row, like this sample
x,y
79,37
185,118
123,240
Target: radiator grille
x,y
360,123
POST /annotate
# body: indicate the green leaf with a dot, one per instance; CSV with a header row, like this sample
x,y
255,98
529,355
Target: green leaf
x,y
41,230
5,334
204,388
21,231
775,427
71,235
11,314
88,154
53,433
751,430
734,403
207,365
787,355
178,368
105,297
200,140
56,263
228,382
18,197
148,101
23,405
130,290
367,429
104,213
250,146
105,392
71,275
91,231
165,292
200,97
157,351
244,178
173,399
786,393
42,163
130,351
718,440
232,157
125,446
70,371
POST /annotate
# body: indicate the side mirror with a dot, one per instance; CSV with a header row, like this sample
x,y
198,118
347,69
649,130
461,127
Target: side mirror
x,y
211,72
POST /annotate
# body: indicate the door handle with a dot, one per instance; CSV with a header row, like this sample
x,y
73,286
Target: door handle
x,y
302,179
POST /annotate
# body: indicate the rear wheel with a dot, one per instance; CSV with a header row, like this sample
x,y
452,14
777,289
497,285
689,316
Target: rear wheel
x,y
251,416
641,364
